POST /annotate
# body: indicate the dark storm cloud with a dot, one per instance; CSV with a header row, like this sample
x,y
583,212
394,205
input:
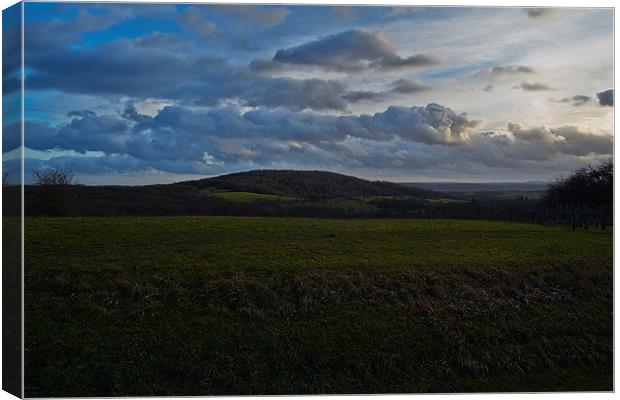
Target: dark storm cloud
x,y
349,51
534,87
606,98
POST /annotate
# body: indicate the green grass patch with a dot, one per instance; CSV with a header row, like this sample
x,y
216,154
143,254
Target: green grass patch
x,y
442,200
376,198
225,305
249,196
533,195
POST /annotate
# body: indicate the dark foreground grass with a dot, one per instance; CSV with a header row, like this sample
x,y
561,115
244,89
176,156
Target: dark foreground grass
x,y
217,305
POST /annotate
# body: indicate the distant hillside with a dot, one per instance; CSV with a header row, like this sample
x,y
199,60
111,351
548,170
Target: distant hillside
x,y
256,193
479,187
311,185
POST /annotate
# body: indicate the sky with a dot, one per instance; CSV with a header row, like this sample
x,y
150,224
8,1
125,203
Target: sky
x,y
155,93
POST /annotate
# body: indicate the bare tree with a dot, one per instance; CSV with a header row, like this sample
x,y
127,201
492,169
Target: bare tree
x,y
54,190
55,177
7,179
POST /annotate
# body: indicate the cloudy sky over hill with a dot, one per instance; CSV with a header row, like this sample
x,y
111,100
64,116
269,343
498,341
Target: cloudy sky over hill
x,y
158,93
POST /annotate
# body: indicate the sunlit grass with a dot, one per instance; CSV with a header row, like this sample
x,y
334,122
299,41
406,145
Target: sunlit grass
x,y
249,196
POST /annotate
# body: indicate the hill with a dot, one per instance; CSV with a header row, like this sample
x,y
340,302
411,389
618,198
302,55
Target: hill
x,y
253,193
308,185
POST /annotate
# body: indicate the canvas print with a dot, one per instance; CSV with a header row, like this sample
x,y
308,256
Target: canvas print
x,y
227,199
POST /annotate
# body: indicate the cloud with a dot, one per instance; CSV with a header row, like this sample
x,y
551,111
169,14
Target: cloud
x,y
192,20
399,86
349,51
315,94
390,62
565,140
158,40
261,15
577,100
82,113
294,94
87,57
364,96
185,135
343,12
606,98
506,70
11,42
11,136
403,10
534,87
539,12
127,69
433,124
580,100
408,86
160,65
184,140
59,34
10,84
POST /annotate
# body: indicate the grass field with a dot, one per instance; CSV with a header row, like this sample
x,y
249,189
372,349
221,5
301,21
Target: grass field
x,y
223,305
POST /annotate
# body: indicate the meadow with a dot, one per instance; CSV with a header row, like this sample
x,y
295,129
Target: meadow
x,y
254,305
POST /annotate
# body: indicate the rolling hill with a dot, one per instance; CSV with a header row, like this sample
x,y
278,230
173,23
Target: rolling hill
x,y
255,193
308,185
